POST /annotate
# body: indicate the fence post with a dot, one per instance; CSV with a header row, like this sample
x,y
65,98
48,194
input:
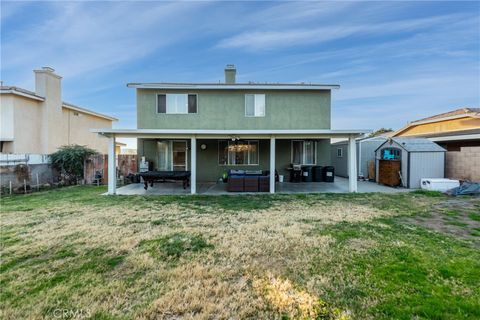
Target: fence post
x,y
10,186
25,186
38,184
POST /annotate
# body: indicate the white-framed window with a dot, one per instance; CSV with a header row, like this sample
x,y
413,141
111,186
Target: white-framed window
x,y
254,105
304,152
176,103
339,153
240,152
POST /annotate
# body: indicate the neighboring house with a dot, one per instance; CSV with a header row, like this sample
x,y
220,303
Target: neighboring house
x,y
40,122
412,158
209,128
457,131
451,130
119,146
365,153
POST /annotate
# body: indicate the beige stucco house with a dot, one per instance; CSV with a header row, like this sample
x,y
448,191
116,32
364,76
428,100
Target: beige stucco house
x,y
40,122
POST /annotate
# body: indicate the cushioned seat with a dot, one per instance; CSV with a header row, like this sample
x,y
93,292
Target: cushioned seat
x,y
235,183
264,183
251,183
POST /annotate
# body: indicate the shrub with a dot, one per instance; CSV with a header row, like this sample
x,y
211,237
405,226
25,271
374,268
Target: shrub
x,y
69,160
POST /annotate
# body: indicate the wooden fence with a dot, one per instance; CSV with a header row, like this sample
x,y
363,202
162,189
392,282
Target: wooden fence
x,y
96,168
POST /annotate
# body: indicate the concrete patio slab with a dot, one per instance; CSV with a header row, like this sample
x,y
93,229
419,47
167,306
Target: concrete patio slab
x,y
211,188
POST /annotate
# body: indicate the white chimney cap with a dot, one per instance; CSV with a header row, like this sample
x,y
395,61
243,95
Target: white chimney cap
x,y
49,69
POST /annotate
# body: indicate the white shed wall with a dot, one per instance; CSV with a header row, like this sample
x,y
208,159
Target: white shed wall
x,y
426,165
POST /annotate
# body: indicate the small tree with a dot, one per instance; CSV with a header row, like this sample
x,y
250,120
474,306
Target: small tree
x,y
70,160
380,132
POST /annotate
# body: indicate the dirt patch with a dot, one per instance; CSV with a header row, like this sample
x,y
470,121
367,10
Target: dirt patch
x,y
458,217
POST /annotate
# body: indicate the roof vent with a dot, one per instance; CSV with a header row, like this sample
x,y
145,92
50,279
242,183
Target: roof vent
x,y
230,73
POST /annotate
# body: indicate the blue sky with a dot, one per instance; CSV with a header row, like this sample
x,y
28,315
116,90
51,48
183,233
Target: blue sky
x,y
395,61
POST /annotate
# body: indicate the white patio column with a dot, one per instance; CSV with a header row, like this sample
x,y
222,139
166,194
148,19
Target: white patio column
x,y
272,165
352,164
112,174
193,165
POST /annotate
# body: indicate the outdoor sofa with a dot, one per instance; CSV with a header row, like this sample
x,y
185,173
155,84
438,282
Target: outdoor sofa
x,y
249,180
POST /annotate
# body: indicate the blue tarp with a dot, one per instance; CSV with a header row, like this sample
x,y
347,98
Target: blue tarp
x,y
467,188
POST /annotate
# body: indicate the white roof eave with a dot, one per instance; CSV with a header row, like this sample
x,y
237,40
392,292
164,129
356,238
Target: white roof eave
x,y
280,133
231,87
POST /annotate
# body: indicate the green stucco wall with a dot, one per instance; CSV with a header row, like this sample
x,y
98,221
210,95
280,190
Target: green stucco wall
x,y
208,168
223,110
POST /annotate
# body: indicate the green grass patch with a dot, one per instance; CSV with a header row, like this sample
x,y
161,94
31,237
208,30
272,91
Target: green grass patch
x,y
456,223
409,272
175,245
474,216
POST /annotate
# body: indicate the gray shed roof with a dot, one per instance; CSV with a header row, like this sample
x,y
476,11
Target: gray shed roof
x,y
416,145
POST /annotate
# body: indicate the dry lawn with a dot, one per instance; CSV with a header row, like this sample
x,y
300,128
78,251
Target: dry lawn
x,y
252,263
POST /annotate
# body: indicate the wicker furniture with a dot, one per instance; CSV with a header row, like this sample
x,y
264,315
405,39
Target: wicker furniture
x,y
264,184
235,183
251,183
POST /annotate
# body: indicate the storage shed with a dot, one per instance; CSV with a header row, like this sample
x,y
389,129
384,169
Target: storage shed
x,y
365,152
404,161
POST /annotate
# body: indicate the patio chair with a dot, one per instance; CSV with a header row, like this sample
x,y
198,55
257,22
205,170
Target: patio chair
x,y
97,178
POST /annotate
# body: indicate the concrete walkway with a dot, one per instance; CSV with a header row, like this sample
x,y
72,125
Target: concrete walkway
x,y
211,188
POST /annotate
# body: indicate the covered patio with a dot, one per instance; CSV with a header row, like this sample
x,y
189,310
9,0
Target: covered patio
x,y
271,138
210,188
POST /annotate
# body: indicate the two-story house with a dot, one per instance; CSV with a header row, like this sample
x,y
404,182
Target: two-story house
x,y
208,128
40,122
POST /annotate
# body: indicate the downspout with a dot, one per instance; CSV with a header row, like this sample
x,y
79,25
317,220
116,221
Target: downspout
x,y
359,157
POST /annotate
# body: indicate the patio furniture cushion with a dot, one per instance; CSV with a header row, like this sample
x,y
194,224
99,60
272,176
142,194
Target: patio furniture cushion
x,y
253,172
233,172
264,183
251,183
235,184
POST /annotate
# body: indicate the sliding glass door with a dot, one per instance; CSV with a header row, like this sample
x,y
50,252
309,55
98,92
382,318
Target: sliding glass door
x,y
179,155
172,155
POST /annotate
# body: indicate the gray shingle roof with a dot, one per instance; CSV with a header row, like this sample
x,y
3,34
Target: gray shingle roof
x,y
418,145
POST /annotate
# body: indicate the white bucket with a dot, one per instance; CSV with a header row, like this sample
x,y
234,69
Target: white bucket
x,y
280,178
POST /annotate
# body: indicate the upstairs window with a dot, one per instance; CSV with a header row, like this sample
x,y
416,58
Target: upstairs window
x,y
304,152
172,103
255,105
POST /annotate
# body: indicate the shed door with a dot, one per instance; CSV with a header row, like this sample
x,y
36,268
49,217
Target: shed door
x,y
388,172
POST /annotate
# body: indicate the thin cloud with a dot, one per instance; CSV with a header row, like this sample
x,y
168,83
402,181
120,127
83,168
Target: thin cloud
x,y
269,40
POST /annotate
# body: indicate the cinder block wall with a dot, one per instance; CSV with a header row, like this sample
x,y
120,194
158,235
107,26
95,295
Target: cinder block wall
x,y
463,164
